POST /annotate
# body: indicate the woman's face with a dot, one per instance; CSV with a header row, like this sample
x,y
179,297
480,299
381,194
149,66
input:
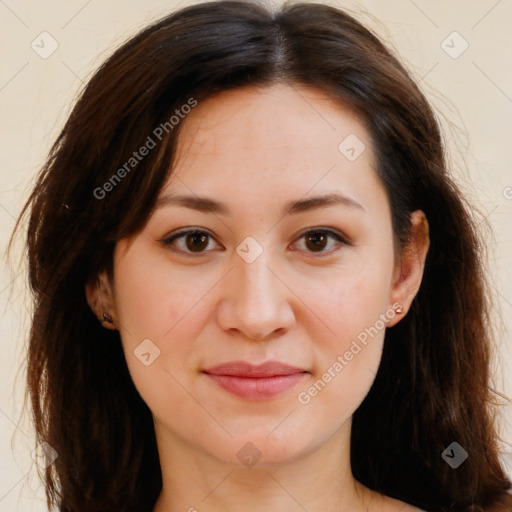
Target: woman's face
x,y
252,285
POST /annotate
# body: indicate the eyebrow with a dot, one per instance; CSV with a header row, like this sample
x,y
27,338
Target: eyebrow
x,y
207,205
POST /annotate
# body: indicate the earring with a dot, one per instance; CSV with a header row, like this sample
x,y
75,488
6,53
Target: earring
x,y
398,309
106,318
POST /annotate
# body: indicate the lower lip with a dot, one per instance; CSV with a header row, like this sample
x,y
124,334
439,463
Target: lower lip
x,y
257,388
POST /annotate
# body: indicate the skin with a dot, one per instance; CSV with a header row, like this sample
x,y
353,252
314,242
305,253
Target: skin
x,y
255,149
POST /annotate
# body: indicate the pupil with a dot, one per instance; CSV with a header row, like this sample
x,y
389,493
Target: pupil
x,y
194,236
316,237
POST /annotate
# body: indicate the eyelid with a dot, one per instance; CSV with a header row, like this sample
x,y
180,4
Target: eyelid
x,y
168,239
331,232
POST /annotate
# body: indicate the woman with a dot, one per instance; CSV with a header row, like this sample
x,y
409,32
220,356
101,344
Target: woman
x,y
256,285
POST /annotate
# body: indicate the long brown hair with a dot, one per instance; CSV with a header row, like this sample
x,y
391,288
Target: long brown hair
x,y
432,387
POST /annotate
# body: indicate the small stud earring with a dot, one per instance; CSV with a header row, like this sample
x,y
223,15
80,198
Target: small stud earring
x,y
106,318
398,309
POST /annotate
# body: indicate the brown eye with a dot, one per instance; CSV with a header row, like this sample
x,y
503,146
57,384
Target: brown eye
x,y
196,241
316,240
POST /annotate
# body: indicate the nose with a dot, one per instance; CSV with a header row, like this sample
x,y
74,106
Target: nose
x,y
256,302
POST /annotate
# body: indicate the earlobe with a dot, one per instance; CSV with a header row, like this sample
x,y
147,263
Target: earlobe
x,y
412,265
101,300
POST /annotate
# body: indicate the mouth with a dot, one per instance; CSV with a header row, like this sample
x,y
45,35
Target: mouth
x,y
251,382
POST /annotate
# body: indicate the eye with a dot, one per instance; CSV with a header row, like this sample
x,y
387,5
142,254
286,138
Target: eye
x,y
317,239
195,241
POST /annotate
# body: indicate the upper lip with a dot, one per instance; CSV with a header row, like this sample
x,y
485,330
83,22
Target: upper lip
x,y
245,369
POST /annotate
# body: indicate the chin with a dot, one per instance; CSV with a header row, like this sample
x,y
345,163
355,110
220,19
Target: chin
x,y
261,450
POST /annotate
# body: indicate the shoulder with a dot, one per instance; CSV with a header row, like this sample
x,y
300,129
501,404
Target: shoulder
x,y
389,504
406,507
394,505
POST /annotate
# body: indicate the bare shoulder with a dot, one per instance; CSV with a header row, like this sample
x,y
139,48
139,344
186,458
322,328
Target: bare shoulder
x,y
393,505
389,504
405,507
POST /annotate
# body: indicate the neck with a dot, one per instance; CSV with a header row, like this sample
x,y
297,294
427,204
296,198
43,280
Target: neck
x,y
193,481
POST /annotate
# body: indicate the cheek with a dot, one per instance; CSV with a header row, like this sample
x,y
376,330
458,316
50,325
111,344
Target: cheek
x,y
157,314
335,394
151,297
351,299
353,306
347,359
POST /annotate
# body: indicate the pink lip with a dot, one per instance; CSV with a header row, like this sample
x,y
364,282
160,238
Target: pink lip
x,y
256,382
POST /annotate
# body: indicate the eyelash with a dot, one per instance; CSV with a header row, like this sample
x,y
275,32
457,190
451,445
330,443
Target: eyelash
x,y
167,242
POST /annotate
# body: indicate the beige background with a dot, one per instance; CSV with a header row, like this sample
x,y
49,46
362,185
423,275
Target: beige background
x,y
471,93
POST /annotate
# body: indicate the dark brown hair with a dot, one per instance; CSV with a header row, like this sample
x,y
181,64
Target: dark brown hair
x,y
432,387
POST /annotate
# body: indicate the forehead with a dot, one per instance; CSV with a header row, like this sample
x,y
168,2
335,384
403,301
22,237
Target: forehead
x,y
281,139
283,116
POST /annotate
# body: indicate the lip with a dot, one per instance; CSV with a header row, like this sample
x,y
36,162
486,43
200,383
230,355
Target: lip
x,y
256,382
245,369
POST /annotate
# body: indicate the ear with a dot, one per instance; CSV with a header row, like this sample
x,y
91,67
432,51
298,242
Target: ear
x,y
409,272
100,297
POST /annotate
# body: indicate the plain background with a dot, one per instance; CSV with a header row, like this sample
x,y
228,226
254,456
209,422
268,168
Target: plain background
x,y
471,92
